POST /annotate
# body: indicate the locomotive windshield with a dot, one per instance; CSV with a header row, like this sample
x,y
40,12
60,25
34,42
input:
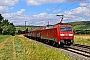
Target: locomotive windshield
x,y
65,29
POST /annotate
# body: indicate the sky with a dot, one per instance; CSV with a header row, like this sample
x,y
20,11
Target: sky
x,y
40,12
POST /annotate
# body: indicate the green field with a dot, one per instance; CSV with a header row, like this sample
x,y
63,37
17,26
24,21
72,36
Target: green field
x,y
21,48
23,27
82,39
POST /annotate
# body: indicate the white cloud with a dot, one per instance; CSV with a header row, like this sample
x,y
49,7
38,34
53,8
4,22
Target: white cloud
x,y
48,9
11,8
3,9
5,3
57,11
18,18
8,2
81,13
83,4
20,12
32,3
76,0
39,2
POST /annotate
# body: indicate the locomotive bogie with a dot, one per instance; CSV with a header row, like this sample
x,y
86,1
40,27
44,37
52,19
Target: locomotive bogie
x,y
66,42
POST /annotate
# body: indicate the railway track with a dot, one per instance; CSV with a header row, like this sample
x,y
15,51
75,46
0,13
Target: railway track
x,y
83,46
79,49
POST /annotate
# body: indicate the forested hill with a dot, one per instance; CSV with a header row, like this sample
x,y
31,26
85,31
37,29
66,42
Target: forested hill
x,y
81,25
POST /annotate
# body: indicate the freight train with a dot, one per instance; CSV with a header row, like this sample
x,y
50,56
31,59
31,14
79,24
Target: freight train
x,y
60,33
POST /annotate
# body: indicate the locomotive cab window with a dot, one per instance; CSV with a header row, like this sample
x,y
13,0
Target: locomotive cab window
x,y
65,29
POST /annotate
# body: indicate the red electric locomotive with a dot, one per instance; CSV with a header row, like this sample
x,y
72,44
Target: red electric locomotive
x,y
60,33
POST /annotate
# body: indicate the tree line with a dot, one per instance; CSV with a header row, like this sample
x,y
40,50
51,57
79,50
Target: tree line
x,y
6,27
82,31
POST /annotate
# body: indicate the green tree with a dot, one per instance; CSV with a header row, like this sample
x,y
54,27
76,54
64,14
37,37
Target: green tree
x,y
6,27
5,22
11,29
8,30
1,18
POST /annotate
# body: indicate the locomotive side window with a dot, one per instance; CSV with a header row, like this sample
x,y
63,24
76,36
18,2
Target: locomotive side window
x,y
65,29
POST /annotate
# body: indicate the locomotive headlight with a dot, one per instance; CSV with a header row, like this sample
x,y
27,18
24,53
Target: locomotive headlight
x,y
70,34
61,34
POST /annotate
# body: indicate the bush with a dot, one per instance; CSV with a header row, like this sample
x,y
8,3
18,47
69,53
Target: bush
x,y
8,30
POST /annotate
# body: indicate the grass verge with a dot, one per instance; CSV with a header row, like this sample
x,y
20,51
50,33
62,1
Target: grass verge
x,y
6,50
3,37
